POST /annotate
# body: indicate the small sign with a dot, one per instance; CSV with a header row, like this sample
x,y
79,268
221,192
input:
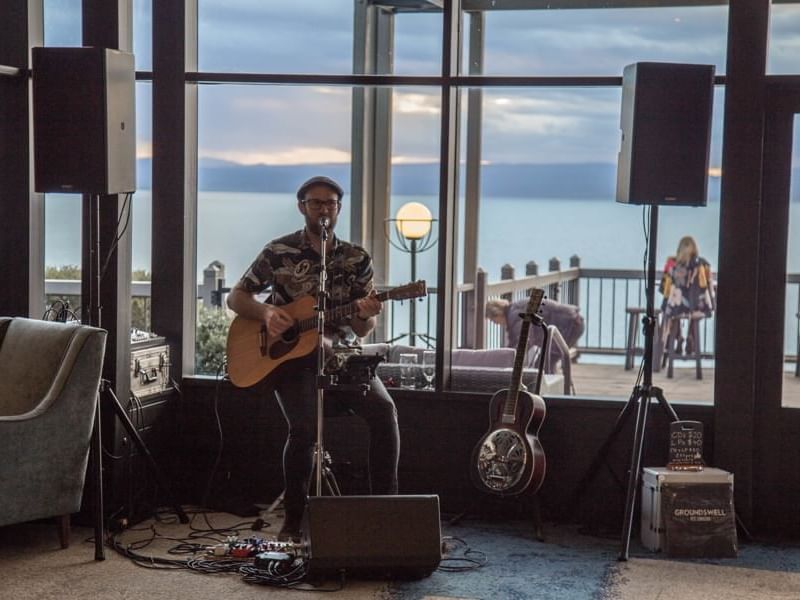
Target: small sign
x,y
685,446
699,520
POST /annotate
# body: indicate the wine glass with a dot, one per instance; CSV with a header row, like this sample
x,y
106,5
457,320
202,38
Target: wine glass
x,y
429,368
408,367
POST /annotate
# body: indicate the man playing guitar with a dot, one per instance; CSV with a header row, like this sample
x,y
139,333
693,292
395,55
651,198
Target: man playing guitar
x,y
290,267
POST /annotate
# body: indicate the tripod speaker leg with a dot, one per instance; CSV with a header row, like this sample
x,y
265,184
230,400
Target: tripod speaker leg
x,y
395,536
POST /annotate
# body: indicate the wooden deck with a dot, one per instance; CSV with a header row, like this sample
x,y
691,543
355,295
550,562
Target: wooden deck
x,y
591,380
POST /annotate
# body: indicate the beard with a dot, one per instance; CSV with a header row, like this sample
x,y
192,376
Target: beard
x,y
312,224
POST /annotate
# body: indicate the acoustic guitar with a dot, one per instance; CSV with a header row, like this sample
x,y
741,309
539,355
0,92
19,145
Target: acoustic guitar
x,y
252,354
509,458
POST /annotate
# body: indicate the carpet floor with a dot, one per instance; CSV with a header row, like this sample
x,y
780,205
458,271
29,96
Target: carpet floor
x,y
482,560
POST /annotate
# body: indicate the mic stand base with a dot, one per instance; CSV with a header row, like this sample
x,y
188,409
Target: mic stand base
x,y
328,477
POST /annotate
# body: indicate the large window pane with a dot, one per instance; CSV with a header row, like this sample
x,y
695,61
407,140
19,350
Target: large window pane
x,y
62,250
784,41
302,36
142,217
418,44
791,378
62,23
62,256
143,34
257,144
560,42
414,200
548,178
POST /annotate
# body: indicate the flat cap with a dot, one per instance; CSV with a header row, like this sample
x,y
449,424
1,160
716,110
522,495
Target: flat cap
x,y
319,180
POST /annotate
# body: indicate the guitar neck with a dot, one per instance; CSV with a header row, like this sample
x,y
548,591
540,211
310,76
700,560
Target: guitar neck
x,y
516,374
510,407
336,313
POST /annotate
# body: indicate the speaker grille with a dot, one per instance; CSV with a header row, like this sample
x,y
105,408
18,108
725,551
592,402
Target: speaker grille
x,y
666,134
84,124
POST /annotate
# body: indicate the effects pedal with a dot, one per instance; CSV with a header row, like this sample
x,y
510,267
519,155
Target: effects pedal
x,y
264,551
264,560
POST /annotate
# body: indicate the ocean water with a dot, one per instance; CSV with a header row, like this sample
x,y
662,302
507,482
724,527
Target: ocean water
x,y
234,226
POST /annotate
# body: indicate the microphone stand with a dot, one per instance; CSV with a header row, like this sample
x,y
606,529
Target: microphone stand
x,y
322,301
323,381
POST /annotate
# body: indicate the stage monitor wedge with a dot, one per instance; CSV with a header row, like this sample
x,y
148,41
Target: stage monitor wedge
x,y
666,134
84,120
375,536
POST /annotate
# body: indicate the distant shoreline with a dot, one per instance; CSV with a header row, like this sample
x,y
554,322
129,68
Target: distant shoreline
x,y
561,180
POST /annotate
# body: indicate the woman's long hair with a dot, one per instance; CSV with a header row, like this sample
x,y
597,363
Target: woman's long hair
x,y
687,250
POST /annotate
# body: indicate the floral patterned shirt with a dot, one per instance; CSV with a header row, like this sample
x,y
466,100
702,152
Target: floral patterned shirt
x,y
289,267
687,288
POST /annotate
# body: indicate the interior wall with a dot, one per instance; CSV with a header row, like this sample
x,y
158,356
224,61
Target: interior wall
x,y
438,433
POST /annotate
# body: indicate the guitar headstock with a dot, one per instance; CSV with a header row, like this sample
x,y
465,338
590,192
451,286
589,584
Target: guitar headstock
x,y
534,302
417,289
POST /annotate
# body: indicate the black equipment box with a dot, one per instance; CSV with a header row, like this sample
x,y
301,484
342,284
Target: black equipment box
x,y
396,536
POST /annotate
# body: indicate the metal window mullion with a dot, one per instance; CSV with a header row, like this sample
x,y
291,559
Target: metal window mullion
x,y
448,193
174,221
190,206
472,180
362,107
379,138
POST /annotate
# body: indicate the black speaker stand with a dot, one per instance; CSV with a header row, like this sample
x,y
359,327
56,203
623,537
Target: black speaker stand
x,y
92,316
643,394
641,397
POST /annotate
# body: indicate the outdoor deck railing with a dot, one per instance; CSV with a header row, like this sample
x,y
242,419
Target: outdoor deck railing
x,y
603,295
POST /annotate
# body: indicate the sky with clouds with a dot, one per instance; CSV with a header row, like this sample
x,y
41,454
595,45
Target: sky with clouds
x,y
299,124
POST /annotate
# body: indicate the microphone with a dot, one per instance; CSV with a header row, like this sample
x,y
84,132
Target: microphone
x,y
324,222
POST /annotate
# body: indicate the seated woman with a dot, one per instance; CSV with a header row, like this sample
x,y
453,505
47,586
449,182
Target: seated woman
x,y
687,288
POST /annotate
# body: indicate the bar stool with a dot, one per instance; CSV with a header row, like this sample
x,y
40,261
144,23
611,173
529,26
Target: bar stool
x,y
635,315
693,331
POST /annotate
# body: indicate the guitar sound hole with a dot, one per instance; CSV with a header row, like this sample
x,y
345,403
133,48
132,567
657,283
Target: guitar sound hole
x,y
501,461
290,335
286,343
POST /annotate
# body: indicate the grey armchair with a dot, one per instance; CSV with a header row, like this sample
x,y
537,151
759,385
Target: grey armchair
x,y
49,377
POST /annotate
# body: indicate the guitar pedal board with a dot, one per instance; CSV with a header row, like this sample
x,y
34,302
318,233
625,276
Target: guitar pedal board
x,y
150,364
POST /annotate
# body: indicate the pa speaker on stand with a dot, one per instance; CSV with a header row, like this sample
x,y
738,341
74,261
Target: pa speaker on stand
x,y
666,132
84,125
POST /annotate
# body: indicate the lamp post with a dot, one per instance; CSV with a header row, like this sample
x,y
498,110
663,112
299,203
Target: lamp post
x,y
413,227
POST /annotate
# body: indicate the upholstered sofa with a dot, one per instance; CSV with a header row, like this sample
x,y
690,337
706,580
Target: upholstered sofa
x,y
482,370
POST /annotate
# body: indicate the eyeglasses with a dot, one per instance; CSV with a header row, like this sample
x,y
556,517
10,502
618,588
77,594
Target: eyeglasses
x,y
317,204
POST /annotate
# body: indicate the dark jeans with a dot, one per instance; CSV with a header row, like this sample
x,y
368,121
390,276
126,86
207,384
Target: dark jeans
x,y
297,396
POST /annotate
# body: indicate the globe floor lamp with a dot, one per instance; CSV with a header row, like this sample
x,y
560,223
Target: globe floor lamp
x,y
412,227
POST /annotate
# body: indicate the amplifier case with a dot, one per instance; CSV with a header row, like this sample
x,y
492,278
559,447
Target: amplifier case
x,y
394,536
150,370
